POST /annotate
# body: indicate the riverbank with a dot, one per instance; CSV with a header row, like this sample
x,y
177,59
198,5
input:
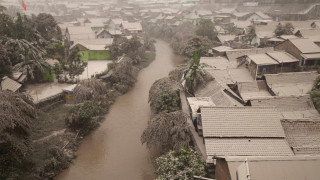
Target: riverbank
x,y
114,150
54,144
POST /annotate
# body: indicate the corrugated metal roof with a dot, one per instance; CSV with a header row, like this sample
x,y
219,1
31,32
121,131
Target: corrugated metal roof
x,y
255,89
311,56
303,135
241,122
234,54
215,91
247,147
282,57
305,45
197,102
9,84
262,59
216,62
288,84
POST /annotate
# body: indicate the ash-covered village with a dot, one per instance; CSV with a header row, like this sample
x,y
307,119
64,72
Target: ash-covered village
x,y
160,89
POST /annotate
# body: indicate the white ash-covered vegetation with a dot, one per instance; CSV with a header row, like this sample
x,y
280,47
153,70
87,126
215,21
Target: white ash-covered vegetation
x,y
26,42
168,130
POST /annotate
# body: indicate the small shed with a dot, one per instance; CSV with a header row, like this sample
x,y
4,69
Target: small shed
x,y
10,84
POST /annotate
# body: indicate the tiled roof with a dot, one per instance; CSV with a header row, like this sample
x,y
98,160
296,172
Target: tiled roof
x,y
9,84
303,135
241,122
247,147
288,84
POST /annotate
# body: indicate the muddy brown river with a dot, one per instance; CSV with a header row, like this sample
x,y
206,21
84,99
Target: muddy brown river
x,y
114,150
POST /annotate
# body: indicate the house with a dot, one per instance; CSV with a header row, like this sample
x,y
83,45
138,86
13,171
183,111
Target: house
x,y
19,77
129,28
193,18
287,62
102,34
115,24
303,49
290,107
94,49
260,64
226,39
76,33
9,84
267,168
221,95
290,84
312,34
234,55
251,90
316,24
220,50
216,62
243,131
195,103
241,15
303,135
258,16
241,27
221,19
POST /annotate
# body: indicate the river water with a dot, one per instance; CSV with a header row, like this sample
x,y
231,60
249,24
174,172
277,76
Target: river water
x,y
114,150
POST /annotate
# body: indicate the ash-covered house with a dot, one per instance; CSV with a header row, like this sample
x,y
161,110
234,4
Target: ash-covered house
x,y
76,33
305,50
290,84
96,49
10,84
129,28
243,131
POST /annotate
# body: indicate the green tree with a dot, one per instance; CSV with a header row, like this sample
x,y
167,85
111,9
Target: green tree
x,y
286,29
181,165
206,29
74,65
167,131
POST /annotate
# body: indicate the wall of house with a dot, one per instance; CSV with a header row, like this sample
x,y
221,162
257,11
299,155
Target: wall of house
x,y
290,48
84,55
222,170
287,67
98,55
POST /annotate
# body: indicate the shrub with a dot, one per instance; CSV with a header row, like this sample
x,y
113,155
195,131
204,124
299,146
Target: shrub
x,y
167,101
180,165
83,116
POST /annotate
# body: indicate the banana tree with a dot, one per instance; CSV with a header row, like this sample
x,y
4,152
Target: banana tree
x,y
194,75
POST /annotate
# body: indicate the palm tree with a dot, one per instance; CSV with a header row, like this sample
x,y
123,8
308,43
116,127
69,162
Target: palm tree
x,y
194,75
